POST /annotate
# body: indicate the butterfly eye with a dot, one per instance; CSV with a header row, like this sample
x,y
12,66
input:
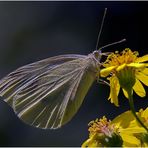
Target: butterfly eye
x,y
96,54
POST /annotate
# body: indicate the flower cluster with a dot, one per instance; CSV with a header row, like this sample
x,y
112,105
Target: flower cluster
x,y
125,70
121,131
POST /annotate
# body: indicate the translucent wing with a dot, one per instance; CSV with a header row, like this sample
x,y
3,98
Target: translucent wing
x,y
20,78
48,93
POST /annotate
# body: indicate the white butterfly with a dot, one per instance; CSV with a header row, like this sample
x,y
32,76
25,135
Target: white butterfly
x,y
48,93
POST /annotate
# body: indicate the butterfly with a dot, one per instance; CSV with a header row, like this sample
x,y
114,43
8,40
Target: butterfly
x,y
48,93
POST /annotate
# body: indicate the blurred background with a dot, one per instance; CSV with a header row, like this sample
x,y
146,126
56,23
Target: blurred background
x,y
31,31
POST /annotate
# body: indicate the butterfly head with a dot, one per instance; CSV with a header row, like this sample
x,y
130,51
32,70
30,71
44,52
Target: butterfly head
x,y
97,55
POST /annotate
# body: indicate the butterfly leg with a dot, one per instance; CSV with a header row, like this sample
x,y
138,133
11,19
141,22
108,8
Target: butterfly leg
x,y
101,81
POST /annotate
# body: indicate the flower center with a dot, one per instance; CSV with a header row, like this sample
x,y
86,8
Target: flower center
x,y
117,59
102,126
105,132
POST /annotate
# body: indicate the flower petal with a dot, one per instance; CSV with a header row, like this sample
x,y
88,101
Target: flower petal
x,y
130,139
136,65
123,120
106,71
139,89
145,113
145,71
88,142
142,77
142,59
114,90
121,67
127,145
91,142
133,130
125,93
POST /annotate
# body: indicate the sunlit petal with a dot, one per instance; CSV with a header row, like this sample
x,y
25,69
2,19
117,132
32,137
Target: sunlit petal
x,y
126,144
139,89
145,113
142,59
130,139
133,130
125,93
136,65
145,71
89,143
121,67
106,71
114,90
142,77
123,119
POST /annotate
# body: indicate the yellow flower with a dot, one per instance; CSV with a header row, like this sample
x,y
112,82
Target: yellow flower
x,y
121,131
143,115
102,133
129,126
125,70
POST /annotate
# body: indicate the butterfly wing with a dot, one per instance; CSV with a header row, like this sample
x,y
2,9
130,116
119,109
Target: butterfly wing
x,y
49,95
20,78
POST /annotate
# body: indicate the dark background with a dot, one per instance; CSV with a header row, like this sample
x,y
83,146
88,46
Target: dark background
x,y
31,31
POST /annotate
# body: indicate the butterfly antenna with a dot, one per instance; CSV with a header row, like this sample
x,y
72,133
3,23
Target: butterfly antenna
x,y
102,23
123,40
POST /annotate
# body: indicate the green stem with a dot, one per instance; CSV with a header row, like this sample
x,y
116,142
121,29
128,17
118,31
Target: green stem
x,y
131,103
